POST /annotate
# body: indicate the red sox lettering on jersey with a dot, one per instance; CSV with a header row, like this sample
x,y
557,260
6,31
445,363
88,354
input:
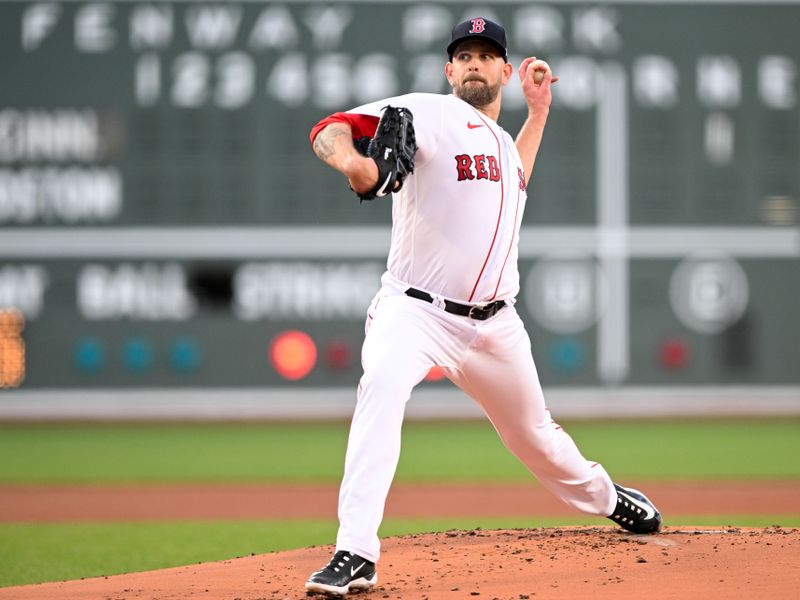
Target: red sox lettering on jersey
x,y
477,167
521,175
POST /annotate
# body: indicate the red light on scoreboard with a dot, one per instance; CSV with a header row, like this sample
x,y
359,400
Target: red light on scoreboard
x,y
339,356
674,354
293,354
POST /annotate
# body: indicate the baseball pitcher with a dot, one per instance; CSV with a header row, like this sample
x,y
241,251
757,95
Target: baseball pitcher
x,y
458,186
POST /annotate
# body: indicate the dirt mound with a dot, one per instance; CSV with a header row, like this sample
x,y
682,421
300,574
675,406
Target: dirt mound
x,y
596,563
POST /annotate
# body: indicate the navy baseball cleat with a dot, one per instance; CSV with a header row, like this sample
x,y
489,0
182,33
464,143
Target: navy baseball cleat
x,y
345,572
635,512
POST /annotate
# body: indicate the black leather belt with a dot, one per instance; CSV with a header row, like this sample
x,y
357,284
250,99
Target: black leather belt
x,y
481,312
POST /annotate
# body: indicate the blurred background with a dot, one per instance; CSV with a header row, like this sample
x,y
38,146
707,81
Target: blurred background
x,y
170,246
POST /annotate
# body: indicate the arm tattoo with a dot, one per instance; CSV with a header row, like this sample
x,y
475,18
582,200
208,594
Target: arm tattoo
x,y
324,144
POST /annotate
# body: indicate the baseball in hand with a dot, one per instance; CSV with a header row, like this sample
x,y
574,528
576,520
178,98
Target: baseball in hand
x,y
538,76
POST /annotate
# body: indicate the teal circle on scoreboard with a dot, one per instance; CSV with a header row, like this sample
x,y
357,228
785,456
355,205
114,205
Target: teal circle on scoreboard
x,y
567,354
138,355
185,354
89,355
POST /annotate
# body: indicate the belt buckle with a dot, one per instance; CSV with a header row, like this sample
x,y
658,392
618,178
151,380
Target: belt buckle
x,y
481,309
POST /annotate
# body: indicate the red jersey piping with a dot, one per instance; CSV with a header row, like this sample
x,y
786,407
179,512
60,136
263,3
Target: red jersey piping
x,y
499,213
511,245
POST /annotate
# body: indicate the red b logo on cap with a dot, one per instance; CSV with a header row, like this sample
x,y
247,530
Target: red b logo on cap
x,y
478,25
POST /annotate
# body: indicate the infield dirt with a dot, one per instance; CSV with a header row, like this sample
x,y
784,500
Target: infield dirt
x,y
76,503
599,563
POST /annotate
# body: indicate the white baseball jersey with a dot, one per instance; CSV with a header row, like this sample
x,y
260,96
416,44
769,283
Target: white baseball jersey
x,y
456,220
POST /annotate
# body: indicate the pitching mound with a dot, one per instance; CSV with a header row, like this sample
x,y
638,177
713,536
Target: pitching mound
x,y
596,563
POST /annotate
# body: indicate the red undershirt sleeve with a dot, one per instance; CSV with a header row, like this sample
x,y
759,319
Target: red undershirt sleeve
x,y
362,125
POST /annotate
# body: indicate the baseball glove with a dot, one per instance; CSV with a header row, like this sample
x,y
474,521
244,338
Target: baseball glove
x,y
392,148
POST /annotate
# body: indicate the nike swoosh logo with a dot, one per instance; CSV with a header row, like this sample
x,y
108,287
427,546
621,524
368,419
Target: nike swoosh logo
x,y
649,510
471,126
354,570
382,191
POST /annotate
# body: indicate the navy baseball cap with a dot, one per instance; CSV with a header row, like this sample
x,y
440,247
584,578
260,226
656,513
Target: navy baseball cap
x,y
481,29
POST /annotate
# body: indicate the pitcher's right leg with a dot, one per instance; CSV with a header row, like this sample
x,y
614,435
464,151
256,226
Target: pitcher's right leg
x,y
395,358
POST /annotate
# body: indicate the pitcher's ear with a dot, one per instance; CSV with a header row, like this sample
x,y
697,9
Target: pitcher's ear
x,y
448,72
508,70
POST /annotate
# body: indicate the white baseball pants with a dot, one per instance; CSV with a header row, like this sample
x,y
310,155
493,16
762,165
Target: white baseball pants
x,y
491,361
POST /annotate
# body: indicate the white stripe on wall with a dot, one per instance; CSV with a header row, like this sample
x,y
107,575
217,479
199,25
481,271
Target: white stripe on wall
x,y
370,241
338,403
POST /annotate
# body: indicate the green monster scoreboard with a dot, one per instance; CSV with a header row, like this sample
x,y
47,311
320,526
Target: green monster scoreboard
x,y
164,224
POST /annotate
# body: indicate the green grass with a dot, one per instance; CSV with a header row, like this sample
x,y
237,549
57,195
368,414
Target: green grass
x,y
299,452
695,450
57,551
54,552
120,453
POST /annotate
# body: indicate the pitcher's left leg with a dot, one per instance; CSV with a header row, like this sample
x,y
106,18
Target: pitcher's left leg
x,y
500,374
